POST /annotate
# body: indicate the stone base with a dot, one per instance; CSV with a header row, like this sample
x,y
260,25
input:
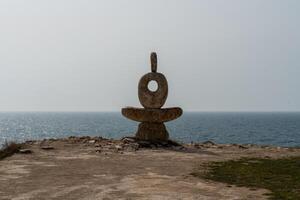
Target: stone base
x,y
152,132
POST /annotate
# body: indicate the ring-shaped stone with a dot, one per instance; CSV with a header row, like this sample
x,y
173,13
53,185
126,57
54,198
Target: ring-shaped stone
x,y
157,98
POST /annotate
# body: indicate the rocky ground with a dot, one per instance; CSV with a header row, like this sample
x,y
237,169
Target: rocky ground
x,y
98,168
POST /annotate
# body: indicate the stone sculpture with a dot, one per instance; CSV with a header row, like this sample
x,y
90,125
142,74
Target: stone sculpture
x,y
152,116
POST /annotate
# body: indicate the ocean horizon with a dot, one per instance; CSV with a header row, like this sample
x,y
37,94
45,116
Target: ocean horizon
x,y
262,128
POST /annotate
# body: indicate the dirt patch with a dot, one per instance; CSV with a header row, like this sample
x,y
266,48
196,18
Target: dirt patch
x,y
97,168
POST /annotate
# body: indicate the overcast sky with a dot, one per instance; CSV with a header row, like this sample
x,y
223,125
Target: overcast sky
x,y
88,55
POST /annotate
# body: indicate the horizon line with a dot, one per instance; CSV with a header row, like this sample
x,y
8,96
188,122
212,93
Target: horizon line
x,y
114,111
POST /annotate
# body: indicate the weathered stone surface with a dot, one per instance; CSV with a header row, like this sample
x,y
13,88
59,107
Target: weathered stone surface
x,y
25,151
47,147
153,59
152,132
151,99
152,115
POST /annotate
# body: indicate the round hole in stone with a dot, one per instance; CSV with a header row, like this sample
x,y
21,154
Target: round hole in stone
x,y
153,86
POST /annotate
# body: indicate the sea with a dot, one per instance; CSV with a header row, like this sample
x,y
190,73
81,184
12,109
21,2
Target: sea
x,y
263,128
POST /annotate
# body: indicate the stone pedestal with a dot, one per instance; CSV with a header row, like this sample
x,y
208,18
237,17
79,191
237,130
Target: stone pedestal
x,y
152,121
152,131
152,116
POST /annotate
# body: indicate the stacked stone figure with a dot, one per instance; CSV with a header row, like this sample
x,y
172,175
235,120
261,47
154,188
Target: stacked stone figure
x,y
152,116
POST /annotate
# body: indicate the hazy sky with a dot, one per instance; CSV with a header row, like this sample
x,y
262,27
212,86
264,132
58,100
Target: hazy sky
x,y
88,55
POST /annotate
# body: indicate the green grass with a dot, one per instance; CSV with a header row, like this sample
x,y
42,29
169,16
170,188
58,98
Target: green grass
x,y
280,176
9,149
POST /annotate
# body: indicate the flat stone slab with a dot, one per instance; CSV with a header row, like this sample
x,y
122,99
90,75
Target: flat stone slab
x,y
152,115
